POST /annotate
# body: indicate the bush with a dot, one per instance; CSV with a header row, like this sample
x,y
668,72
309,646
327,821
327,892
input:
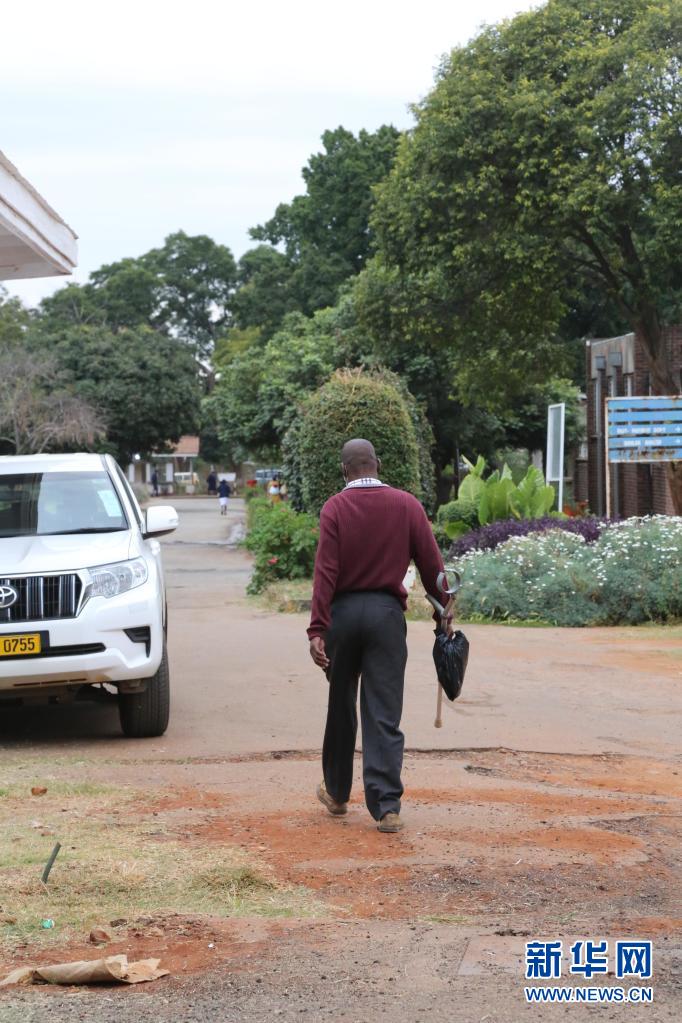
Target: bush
x,y
481,501
630,574
283,541
352,404
488,537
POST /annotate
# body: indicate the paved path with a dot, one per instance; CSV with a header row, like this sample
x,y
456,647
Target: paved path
x,y
243,681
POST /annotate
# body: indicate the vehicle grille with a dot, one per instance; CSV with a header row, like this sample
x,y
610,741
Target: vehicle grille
x,y
42,597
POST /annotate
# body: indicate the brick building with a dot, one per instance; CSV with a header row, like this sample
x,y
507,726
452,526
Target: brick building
x,y
617,367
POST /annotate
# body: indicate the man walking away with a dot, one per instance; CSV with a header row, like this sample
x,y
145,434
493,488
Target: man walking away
x,y
369,533
223,495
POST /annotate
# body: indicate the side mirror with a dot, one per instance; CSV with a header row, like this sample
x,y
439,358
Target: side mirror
x,y
159,520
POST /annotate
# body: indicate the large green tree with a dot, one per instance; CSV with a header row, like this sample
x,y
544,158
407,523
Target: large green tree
x,y
142,383
264,293
322,237
259,388
182,289
547,153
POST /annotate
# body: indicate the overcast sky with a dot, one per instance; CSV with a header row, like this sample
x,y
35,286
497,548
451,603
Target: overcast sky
x,y
138,118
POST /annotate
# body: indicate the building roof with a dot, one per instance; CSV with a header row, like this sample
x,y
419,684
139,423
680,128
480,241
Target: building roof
x,y
34,240
187,446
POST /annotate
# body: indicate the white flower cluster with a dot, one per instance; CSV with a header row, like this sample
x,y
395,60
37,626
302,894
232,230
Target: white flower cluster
x,y
557,576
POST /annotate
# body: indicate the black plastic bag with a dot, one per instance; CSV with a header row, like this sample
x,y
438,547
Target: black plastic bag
x,y
450,655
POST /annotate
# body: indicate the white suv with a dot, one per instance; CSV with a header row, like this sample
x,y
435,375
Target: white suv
x,y
82,596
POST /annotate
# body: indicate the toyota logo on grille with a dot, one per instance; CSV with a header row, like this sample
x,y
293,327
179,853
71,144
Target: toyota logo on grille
x,y
8,596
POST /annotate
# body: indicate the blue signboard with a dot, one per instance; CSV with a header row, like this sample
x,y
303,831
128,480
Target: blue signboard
x,y
644,429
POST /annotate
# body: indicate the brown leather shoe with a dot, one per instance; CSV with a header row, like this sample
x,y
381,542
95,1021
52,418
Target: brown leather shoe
x,y
390,823
335,809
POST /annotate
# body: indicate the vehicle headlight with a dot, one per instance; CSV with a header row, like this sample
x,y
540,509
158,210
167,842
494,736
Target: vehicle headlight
x,y
110,580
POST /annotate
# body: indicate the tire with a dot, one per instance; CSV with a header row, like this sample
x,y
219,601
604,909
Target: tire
x,y
145,715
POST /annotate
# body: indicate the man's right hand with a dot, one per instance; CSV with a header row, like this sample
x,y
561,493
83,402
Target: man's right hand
x,y
318,652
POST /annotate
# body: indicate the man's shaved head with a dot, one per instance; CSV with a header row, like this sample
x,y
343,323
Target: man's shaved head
x,y
359,458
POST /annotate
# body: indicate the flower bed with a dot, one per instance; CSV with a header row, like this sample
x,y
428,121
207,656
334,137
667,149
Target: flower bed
x,y
491,536
630,574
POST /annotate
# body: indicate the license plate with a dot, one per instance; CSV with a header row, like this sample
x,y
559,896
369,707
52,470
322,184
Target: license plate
x,y
17,646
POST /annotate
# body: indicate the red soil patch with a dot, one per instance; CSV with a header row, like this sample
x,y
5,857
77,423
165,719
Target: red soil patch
x,y
185,944
185,799
644,779
533,802
305,837
604,846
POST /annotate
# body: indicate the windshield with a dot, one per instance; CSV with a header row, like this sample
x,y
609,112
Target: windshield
x,y
46,503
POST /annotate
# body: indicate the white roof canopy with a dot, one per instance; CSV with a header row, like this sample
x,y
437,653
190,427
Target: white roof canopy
x,y
34,240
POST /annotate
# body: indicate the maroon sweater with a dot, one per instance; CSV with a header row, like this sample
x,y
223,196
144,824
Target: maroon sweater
x,y
368,536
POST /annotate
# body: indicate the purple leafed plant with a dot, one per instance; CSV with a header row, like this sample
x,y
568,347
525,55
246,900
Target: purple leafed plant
x,y
488,537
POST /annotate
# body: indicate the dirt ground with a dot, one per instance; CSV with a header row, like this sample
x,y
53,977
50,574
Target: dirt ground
x,y
547,807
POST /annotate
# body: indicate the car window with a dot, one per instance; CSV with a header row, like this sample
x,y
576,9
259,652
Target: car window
x,y
47,503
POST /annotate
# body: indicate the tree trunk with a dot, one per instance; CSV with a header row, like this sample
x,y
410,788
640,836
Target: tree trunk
x,y
443,488
662,383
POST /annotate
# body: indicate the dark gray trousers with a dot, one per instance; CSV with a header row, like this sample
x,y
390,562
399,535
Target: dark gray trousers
x,y
366,639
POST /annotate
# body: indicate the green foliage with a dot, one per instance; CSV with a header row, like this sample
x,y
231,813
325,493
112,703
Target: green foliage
x,y
264,293
39,409
532,499
143,383
259,390
283,542
354,404
262,383
545,159
482,500
525,421
324,233
389,321
14,320
630,575
195,281
182,289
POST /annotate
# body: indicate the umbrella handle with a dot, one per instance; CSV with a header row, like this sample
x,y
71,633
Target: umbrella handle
x,y
455,579
441,611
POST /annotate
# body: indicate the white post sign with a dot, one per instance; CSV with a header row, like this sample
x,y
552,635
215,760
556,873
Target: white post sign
x,y
554,465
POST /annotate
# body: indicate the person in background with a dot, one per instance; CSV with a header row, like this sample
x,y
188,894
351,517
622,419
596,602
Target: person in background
x,y
369,533
155,482
223,495
212,481
274,490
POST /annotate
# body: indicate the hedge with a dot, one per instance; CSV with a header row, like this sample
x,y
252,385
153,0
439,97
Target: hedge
x,y
353,403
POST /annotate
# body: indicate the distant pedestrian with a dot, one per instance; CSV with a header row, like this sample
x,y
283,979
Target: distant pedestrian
x,y
223,496
155,482
369,533
212,482
274,490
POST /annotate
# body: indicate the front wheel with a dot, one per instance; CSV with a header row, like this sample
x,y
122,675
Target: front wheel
x,y
145,715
